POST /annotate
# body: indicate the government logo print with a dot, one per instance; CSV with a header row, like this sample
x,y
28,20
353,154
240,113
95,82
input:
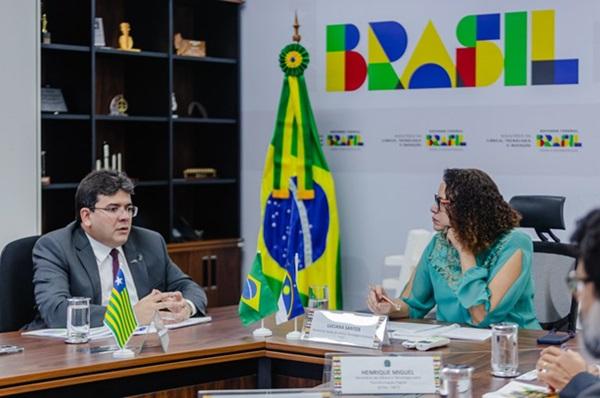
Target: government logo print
x,y
493,46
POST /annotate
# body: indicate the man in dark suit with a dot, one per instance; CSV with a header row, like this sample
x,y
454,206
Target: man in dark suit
x,y
81,260
577,375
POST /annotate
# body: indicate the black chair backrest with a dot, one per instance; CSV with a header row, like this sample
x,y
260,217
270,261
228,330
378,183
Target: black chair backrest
x,y
17,302
541,212
555,306
552,260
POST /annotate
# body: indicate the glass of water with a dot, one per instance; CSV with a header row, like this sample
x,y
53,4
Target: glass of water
x,y
78,320
318,297
456,381
505,349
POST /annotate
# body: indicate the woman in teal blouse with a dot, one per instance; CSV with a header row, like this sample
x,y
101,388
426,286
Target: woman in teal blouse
x,y
477,268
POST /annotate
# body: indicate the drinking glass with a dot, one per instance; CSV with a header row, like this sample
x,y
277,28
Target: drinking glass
x,y
78,320
456,381
318,297
505,349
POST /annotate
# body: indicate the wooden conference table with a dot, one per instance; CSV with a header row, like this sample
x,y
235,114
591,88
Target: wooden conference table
x,y
218,355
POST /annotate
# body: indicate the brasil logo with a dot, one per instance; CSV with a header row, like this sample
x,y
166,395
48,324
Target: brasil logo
x,y
494,45
558,141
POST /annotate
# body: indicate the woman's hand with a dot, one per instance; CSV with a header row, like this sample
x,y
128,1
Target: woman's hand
x,y
453,239
378,304
557,367
467,258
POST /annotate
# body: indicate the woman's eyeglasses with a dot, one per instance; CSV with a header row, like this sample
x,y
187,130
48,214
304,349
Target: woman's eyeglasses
x,y
439,202
575,282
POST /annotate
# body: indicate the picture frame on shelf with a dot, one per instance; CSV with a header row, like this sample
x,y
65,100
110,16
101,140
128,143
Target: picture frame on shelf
x,y
99,39
53,100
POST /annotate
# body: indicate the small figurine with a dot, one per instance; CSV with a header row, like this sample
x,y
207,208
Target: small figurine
x,y
125,40
45,33
192,48
173,105
118,106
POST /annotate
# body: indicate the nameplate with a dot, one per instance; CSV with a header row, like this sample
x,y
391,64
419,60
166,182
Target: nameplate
x,y
347,328
161,331
283,393
385,374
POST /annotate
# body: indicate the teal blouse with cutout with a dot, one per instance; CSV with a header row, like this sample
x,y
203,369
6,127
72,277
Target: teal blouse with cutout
x,y
439,280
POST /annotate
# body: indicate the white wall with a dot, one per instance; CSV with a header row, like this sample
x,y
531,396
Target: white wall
x,y
377,203
19,119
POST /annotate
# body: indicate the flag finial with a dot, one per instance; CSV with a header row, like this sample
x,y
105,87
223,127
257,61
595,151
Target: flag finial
x,y
296,37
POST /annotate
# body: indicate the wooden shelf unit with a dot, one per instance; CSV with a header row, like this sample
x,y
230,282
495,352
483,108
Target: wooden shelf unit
x,y
156,144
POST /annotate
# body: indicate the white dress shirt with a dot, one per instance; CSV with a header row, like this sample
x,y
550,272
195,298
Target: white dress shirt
x,y
104,261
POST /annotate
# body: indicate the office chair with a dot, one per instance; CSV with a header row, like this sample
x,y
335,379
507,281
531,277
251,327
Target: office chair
x,y
552,260
404,264
17,302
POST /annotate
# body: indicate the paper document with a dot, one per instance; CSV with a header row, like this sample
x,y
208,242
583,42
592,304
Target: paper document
x,y
473,334
529,376
188,322
102,332
454,331
97,333
517,389
409,327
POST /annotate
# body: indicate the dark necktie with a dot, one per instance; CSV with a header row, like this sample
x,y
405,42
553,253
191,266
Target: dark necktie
x,y
114,253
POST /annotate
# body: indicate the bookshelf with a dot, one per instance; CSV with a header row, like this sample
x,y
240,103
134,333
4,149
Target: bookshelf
x,y
156,144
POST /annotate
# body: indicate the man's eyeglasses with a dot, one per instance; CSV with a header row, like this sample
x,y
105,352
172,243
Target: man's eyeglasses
x,y
439,202
576,283
116,210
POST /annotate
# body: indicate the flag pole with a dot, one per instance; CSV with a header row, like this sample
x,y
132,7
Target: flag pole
x,y
296,37
123,353
262,331
295,335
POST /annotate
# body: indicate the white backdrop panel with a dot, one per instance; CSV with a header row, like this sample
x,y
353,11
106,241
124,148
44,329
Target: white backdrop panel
x,y
385,186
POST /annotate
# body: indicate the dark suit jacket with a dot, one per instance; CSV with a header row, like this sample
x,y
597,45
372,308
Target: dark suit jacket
x,y
583,385
64,266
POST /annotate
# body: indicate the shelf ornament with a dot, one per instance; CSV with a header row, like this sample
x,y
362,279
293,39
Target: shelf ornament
x,y
118,105
46,37
187,47
125,40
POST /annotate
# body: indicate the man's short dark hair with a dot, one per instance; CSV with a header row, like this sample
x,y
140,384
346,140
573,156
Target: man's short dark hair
x,y
587,239
100,182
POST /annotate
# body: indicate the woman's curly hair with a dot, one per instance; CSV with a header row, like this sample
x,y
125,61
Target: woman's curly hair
x,y
477,211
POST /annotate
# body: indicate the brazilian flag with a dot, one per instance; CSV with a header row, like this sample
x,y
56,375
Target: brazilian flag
x,y
298,242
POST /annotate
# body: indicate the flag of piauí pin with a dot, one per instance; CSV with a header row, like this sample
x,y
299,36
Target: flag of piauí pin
x,y
298,242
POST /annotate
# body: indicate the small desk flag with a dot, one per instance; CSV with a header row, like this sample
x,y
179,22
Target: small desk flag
x,y
119,317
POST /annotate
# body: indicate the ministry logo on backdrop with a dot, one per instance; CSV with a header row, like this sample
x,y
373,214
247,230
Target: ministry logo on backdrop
x,y
445,140
495,45
557,140
339,139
